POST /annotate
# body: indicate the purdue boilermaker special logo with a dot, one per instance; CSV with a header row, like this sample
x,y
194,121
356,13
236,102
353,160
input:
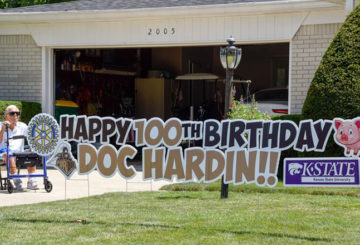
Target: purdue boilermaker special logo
x,y
43,134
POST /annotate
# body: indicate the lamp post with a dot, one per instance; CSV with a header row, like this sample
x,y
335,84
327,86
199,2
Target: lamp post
x,y
230,57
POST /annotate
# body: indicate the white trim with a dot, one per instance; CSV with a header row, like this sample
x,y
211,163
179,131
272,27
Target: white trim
x,y
47,84
349,6
43,79
51,100
247,28
168,45
188,31
325,17
290,81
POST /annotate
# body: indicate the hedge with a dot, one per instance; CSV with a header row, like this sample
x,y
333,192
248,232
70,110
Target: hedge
x,y
335,89
291,117
27,109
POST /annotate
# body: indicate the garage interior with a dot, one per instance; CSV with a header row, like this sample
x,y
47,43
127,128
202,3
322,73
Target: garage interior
x,y
141,82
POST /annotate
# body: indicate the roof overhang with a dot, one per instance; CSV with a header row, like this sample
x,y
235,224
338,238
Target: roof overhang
x,y
247,8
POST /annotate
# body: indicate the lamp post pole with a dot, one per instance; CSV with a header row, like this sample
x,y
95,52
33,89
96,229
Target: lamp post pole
x,y
228,81
230,58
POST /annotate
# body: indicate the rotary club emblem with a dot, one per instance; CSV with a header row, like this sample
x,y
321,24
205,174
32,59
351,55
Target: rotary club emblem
x,y
43,134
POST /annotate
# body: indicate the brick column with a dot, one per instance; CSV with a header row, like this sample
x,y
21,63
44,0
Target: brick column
x,y
307,48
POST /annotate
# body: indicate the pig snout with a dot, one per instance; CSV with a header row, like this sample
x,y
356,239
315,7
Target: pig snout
x,y
344,137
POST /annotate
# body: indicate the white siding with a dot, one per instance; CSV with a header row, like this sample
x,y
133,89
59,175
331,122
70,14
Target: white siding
x,y
192,30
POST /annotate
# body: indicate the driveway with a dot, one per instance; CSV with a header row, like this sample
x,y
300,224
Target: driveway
x,y
76,187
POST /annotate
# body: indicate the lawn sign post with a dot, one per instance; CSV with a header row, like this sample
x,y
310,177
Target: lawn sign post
x,y
230,57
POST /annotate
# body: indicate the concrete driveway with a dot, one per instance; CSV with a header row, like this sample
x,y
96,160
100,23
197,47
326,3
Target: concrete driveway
x,y
76,187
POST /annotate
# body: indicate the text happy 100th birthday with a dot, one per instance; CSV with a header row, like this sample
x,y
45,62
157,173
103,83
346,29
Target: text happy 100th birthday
x,y
242,151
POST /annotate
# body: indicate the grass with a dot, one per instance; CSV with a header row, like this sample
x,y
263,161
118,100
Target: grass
x,y
185,218
253,188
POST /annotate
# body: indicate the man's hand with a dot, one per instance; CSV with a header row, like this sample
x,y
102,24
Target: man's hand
x,y
4,125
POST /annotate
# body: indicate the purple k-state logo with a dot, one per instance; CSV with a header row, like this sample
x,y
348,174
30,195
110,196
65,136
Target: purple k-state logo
x,y
321,172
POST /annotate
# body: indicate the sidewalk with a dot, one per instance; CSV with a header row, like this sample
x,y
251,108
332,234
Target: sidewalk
x,y
76,187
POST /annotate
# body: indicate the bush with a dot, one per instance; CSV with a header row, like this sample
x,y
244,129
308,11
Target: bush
x,y
27,109
335,89
291,117
240,110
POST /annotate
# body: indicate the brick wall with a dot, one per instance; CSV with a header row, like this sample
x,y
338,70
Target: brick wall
x,y
20,68
307,49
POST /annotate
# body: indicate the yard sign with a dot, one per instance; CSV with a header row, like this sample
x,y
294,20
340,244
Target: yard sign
x,y
241,151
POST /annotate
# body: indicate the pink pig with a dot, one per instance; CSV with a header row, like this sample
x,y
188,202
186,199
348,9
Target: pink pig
x,y
348,135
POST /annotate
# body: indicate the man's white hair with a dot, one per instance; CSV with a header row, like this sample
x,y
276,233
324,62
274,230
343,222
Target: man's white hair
x,y
11,107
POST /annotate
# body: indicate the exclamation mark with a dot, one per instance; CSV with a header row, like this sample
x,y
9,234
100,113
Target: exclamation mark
x,y
274,162
262,167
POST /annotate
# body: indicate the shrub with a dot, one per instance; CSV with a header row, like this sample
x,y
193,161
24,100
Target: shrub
x,y
240,110
291,117
335,89
27,109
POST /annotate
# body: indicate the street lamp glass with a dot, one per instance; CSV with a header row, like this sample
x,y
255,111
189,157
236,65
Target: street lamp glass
x,y
230,57
223,57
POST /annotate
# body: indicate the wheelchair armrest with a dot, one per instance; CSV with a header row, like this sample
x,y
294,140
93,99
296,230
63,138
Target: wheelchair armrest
x,y
18,137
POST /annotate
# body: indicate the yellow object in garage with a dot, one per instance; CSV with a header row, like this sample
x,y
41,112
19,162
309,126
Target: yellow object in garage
x,y
65,107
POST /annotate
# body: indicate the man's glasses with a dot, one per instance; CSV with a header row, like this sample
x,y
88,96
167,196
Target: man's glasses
x,y
12,113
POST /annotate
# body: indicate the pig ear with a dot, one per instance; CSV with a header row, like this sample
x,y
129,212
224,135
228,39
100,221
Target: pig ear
x,y
358,123
337,124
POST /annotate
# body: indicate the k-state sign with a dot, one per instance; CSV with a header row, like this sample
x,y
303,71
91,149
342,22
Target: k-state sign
x,y
334,172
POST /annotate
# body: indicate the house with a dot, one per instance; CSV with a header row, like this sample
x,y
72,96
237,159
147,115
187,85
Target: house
x,y
101,47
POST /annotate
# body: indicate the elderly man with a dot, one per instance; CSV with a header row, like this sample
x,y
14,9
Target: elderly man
x,y
15,128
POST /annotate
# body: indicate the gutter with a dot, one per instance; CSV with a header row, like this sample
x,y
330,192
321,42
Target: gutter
x,y
250,8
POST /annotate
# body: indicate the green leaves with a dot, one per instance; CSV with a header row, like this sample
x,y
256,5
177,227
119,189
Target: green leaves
x,y
239,110
335,89
23,3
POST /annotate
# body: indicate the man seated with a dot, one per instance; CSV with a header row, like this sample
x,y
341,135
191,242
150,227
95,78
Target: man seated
x,y
15,128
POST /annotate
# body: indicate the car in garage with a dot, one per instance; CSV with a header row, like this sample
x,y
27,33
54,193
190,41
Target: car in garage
x,y
273,100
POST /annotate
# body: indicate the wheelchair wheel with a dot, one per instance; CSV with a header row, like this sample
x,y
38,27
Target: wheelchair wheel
x,y
48,186
10,187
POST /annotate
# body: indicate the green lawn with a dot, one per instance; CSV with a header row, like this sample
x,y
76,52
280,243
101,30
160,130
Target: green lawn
x,y
186,218
252,188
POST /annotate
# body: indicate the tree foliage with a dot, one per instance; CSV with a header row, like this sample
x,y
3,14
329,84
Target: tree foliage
x,y
335,89
23,3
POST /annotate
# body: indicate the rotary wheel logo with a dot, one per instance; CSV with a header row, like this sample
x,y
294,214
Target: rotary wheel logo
x,y
43,134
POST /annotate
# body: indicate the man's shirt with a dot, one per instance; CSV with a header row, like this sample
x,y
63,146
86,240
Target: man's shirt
x,y
16,145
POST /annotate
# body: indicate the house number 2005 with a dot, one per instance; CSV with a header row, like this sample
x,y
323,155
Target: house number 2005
x,y
161,31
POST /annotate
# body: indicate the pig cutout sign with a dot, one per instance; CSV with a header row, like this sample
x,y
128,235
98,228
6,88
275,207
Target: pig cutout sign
x,y
347,135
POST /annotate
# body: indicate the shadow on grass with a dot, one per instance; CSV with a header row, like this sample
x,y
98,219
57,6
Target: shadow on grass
x,y
164,226
151,225
177,197
279,235
48,221
85,222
